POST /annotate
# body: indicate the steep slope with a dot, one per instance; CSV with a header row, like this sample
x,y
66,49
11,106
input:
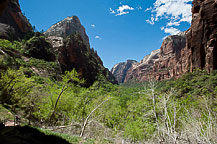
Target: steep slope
x,y
71,44
202,35
13,24
120,70
160,64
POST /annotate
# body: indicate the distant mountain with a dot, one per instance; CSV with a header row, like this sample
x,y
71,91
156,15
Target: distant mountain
x,y
120,70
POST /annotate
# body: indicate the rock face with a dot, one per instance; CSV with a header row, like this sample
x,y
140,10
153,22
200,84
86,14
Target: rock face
x,y
196,48
66,27
71,44
160,64
13,24
202,36
120,70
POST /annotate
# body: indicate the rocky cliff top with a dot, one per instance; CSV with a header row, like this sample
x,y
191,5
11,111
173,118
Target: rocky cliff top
x,y
66,27
151,57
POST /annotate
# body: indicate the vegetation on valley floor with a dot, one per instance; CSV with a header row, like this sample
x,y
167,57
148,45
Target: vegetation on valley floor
x,y
182,110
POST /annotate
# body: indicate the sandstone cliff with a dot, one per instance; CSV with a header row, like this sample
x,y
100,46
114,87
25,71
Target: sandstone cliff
x,y
160,64
120,70
13,24
202,35
195,48
66,27
71,43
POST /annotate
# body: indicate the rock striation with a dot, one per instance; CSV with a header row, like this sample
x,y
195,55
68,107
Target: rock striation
x,y
71,44
202,35
195,48
120,70
162,63
13,24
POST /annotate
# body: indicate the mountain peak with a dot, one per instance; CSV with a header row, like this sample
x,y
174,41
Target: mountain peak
x,y
66,27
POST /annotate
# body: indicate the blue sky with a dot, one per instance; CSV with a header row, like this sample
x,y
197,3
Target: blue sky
x,y
118,29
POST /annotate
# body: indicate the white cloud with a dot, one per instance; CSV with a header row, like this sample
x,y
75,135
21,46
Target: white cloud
x,y
93,25
111,11
173,23
139,7
148,9
122,10
162,28
175,11
98,37
171,30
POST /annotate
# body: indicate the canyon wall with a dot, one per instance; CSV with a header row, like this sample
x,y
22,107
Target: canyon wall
x,y
184,52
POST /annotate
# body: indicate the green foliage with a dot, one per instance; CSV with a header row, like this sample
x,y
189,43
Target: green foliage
x,y
134,131
197,83
5,114
38,47
141,112
10,45
19,93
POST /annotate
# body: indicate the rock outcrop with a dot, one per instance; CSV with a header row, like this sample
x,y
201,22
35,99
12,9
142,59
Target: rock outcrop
x,y
66,27
202,35
120,70
71,44
161,64
13,24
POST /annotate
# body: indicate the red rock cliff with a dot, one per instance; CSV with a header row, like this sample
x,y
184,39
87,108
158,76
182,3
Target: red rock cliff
x,y
202,36
180,54
160,64
13,24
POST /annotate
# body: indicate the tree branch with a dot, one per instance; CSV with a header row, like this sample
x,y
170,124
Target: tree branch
x,y
85,123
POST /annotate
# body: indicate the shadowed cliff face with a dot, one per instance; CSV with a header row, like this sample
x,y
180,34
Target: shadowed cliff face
x,y
3,5
13,24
